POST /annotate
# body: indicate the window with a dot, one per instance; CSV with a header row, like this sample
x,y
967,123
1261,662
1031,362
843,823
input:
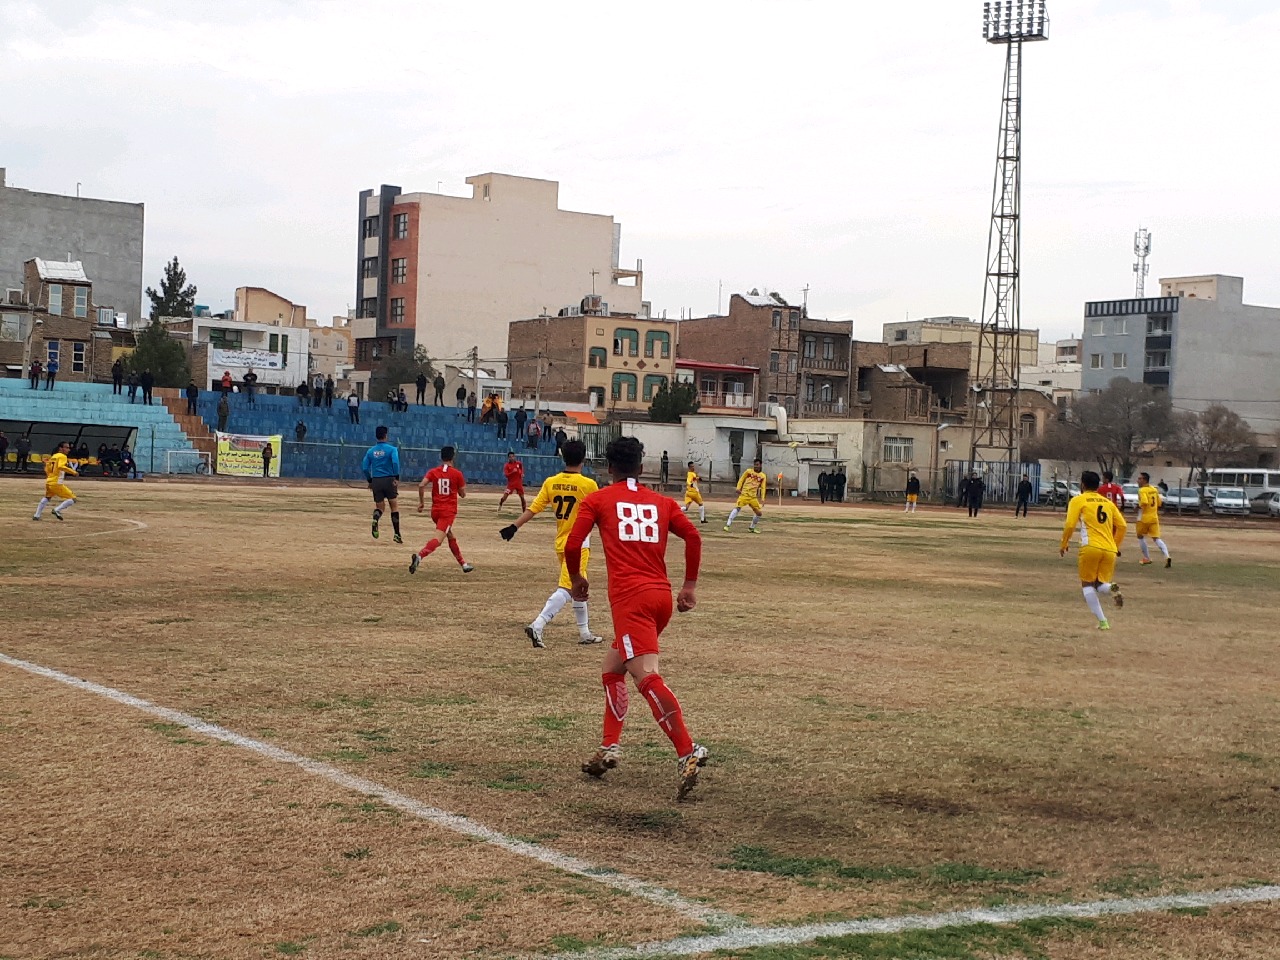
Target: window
x,y
1095,361
810,348
1119,361
1121,326
793,320
369,268
1027,426
1157,359
628,340
369,227
400,223
52,350
898,449
709,385
595,396
369,307
225,339
652,383
1095,328
627,382
399,270
1157,326
397,309
791,363
11,327
777,319
828,349
598,357
106,317
657,343
899,336
486,192
279,343
82,301
824,393
55,299
77,357
362,349
773,363
810,391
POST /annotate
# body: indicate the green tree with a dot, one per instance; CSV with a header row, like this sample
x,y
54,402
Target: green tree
x,y
399,369
673,401
165,357
176,297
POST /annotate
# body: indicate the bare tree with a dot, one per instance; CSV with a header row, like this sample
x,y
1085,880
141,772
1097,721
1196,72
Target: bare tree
x,y
1118,421
1215,437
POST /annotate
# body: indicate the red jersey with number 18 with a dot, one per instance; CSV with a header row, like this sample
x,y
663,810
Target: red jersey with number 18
x,y
634,522
445,480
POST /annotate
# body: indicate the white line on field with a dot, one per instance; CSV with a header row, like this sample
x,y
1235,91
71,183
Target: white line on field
x,y
134,527
450,821
748,937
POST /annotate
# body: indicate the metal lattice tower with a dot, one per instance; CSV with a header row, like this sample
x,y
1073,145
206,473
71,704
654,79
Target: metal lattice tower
x,y
1141,250
996,425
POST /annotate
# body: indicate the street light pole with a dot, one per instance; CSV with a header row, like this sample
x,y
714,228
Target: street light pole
x,y
26,346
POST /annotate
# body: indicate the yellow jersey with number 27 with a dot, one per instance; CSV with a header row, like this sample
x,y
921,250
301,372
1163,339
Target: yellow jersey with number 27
x,y
564,491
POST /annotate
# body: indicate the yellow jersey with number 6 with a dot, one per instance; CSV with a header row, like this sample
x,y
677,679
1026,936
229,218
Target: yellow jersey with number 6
x,y
563,492
1099,521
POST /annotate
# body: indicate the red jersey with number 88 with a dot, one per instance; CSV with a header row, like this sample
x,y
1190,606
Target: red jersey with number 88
x,y
633,522
445,480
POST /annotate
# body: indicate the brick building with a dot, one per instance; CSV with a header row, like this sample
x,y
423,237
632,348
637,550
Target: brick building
x,y
758,331
58,319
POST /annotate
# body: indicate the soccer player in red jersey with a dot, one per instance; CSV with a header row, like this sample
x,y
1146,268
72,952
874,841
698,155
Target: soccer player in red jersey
x,y
514,471
1112,490
447,484
634,522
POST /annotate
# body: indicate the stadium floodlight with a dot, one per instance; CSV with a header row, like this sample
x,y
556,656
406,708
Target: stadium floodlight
x,y
1009,21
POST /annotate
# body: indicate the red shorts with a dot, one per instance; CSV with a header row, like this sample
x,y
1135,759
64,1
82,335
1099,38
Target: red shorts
x,y
639,620
516,488
443,519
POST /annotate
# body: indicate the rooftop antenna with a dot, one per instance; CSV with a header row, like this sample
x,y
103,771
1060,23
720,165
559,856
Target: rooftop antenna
x,y
1141,250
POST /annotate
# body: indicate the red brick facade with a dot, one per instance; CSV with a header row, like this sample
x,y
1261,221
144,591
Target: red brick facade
x,y
752,334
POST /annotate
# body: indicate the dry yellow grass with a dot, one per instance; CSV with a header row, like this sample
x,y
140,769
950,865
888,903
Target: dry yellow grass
x,y
906,714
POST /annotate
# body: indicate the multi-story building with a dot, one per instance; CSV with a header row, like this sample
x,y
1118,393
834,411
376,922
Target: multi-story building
x,y
105,236
277,354
448,273
260,305
1199,340
613,361
332,349
961,330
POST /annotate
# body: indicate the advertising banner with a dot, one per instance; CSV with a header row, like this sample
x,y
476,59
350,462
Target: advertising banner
x,y
261,359
241,456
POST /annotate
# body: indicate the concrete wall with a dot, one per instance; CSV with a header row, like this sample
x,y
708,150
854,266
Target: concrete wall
x,y
105,235
1228,352
961,330
330,348
259,305
1113,347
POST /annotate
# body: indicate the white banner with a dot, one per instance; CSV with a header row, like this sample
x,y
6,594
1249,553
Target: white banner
x,y
241,456
262,359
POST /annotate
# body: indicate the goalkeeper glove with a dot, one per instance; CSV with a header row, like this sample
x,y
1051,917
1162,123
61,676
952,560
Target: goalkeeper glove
x,y
509,531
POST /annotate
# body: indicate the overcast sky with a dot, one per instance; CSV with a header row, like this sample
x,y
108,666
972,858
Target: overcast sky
x,y
849,146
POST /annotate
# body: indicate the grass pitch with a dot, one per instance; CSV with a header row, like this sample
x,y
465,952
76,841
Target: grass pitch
x,y
905,715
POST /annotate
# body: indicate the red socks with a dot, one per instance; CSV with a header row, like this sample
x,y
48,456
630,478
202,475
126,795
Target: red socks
x,y
615,706
457,552
666,710
431,545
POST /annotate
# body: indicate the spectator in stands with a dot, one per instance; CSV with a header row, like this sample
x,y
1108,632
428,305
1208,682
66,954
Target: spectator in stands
x,y
133,385
267,454
193,394
421,384
147,382
23,450
353,406
471,407
34,373
304,393
82,452
561,437
502,420
328,392
300,431
117,377
103,463
224,411
4,450
317,389
250,381
403,401
114,460
226,382
50,374
534,434
548,434
461,396
128,466
521,419
438,383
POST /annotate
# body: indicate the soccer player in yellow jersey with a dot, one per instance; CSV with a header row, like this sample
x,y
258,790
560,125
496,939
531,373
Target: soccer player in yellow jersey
x,y
1101,526
565,491
751,488
692,494
56,468
1149,501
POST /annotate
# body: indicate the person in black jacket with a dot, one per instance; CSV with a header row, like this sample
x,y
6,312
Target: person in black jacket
x,y
962,493
822,486
147,381
913,494
1024,496
975,491
193,394
421,384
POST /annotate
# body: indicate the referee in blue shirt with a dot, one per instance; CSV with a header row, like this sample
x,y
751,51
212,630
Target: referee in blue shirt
x,y
381,466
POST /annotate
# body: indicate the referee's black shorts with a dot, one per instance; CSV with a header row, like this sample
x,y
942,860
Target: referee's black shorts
x,y
385,488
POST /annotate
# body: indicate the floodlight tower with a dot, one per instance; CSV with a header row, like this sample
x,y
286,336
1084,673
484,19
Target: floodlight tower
x,y
1008,22
1141,250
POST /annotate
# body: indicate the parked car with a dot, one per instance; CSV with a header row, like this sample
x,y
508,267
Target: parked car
x,y
1230,500
1266,503
1057,492
1130,495
1182,499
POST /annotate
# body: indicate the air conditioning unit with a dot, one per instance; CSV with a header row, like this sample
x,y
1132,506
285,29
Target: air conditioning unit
x,y
591,304
13,296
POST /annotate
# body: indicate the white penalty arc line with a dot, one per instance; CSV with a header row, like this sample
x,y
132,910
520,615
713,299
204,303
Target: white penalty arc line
x,y
746,938
449,821
135,526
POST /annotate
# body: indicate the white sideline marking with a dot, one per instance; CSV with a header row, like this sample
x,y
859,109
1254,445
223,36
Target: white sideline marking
x,y
135,527
747,937
450,821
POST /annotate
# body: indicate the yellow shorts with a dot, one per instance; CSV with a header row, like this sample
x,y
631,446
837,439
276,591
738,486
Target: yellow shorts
x,y
752,502
912,497
1096,565
565,582
692,496
58,491
1151,529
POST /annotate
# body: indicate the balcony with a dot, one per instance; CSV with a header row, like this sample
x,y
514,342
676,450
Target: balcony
x,y
825,408
744,403
836,365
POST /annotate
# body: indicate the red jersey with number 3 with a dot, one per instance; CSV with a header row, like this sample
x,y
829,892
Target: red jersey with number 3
x,y
445,480
633,522
514,470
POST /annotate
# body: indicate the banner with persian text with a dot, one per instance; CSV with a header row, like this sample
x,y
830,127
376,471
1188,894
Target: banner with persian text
x,y
243,456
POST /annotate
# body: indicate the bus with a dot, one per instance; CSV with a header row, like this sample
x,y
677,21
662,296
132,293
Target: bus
x,y
1254,481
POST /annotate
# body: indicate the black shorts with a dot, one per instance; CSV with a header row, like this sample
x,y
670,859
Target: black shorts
x,y
385,488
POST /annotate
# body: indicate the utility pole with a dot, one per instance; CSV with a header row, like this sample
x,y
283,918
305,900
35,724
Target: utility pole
x,y
594,274
805,308
475,372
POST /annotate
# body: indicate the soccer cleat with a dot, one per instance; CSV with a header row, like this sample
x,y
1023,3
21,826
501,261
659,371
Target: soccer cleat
x,y
535,637
35,518
413,563
467,568
1168,561
1104,624
1144,562
753,529
374,530
57,515
726,528
602,761
1116,595
587,639
704,520
399,539
690,767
